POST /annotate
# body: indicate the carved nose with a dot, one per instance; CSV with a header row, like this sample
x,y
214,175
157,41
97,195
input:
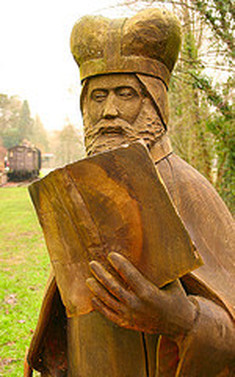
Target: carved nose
x,y
110,109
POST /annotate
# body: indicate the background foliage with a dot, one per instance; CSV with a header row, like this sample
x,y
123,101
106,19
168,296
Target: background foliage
x,y
17,127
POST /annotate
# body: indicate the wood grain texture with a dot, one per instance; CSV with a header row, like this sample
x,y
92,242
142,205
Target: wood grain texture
x,y
146,43
114,201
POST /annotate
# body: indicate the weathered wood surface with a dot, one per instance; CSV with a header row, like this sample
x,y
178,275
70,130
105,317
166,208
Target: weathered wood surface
x,y
114,201
146,43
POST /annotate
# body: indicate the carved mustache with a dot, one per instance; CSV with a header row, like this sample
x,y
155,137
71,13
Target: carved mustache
x,y
110,126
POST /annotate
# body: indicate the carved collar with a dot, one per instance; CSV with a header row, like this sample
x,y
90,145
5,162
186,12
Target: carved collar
x,y
161,149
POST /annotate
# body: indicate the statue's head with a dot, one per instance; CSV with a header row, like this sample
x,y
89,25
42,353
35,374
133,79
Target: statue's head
x,y
125,67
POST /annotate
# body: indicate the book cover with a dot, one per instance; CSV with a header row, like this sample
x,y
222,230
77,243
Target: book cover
x,y
113,201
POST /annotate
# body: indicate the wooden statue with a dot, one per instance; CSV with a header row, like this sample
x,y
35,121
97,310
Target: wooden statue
x,y
129,295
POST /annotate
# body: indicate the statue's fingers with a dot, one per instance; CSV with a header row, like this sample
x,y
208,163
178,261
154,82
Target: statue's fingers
x,y
109,281
99,291
135,280
109,313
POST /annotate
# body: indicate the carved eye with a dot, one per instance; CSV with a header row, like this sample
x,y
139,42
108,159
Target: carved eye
x,y
126,92
99,95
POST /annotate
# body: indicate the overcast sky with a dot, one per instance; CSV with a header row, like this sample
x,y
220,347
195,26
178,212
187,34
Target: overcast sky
x,y
35,58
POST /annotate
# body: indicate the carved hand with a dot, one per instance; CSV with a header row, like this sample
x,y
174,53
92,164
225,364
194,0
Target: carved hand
x,y
135,303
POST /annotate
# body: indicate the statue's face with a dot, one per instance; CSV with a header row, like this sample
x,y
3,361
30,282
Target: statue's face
x,y
117,111
114,96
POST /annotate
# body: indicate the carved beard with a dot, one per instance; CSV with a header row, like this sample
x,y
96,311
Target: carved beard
x,y
112,133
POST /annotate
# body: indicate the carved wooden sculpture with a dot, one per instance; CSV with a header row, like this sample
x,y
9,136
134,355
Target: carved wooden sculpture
x,y
112,202
125,321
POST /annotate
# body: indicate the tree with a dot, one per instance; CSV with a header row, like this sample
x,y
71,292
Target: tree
x,y
25,122
189,104
39,135
219,15
68,145
10,108
16,124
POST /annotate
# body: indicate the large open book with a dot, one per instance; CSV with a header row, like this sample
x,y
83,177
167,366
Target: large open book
x,y
113,201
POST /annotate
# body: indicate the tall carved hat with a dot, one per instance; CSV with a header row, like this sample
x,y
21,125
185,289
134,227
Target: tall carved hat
x,y
147,43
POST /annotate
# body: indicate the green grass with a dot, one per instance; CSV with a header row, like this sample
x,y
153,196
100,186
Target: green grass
x,y
24,271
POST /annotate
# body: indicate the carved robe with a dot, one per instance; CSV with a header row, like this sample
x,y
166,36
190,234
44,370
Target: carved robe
x,y
90,345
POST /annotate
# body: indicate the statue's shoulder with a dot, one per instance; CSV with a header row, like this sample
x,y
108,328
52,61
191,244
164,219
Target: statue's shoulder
x,y
188,187
209,223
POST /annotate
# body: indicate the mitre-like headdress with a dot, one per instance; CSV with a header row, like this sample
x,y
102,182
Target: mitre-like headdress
x,y
147,43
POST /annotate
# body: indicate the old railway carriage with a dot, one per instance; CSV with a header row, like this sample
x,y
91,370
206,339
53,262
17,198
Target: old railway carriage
x,y
24,162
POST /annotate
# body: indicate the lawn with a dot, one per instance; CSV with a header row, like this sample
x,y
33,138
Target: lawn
x,y
23,274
